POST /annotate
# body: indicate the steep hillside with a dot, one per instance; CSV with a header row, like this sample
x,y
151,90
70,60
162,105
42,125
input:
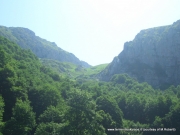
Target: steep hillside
x,y
153,57
41,47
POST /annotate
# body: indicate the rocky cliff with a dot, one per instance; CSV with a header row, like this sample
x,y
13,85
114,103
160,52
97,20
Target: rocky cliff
x,y
153,56
41,47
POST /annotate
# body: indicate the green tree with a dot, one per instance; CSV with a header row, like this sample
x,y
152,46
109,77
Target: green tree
x,y
107,122
134,108
22,121
109,105
1,113
52,114
6,83
83,120
51,121
44,96
172,119
49,128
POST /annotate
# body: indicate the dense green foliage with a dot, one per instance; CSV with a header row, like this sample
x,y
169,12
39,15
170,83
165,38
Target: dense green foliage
x,y
36,100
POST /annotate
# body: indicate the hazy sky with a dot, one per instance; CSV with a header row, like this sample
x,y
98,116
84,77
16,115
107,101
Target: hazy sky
x,y
94,30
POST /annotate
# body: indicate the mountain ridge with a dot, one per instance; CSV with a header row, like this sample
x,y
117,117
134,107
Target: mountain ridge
x,y
153,57
41,47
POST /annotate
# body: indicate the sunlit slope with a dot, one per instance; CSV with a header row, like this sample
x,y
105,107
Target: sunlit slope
x,y
42,48
72,70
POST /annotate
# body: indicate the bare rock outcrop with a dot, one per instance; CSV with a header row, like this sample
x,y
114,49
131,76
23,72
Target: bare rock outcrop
x,y
153,56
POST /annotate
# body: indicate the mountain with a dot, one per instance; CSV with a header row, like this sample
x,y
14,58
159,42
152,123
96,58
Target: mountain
x,y
36,100
41,47
153,56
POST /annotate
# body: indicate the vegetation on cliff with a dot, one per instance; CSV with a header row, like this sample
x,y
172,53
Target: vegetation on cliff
x,y
153,57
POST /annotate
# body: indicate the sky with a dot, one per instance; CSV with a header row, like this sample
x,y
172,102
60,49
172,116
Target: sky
x,y
93,30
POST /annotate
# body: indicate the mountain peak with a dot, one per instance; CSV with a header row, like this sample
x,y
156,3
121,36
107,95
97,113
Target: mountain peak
x,y
153,57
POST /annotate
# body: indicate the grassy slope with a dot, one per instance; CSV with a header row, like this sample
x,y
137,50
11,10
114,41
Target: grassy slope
x,y
95,70
72,70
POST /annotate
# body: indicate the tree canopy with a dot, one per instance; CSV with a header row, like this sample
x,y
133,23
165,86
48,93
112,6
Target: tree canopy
x,y
35,99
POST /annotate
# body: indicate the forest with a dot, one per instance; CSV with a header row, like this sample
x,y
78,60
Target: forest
x,y
36,100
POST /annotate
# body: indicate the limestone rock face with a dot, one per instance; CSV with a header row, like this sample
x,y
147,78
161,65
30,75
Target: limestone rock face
x,y
40,47
153,56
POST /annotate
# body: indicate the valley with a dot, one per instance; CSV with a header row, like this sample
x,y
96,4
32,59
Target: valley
x,y
45,90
